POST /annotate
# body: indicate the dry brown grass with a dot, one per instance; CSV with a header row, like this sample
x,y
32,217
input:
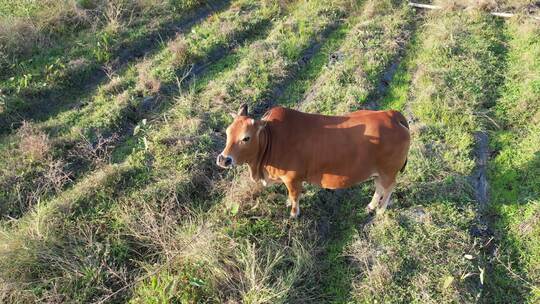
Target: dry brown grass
x,y
115,85
527,227
242,191
95,151
363,252
486,5
179,49
173,235
162,226
18,37
116,15
265,273
31,173
21,35
78,260
33,143
147,82
70,267
11,292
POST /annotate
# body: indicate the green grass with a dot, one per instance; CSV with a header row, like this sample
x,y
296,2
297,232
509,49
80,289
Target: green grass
x,y
418,252
295,90
20,8
514,173
347,83
80,209
397,93
447,99
117,103
152,217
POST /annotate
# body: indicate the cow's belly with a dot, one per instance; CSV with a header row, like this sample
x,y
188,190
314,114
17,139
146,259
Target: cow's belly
x,y
333,181
341,168
338,176
270,178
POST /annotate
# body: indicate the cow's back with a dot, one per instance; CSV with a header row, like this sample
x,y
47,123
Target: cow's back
x,y
335,151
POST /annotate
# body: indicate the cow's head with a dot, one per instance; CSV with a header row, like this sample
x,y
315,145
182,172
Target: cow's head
x,y
242,140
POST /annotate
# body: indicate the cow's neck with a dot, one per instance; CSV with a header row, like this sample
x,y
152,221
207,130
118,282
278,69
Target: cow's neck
x,y
256,168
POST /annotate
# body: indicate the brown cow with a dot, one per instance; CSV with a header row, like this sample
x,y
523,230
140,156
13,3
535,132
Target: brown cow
x,y
331,151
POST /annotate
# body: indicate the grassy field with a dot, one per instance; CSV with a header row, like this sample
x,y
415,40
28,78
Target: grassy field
x,y
112,114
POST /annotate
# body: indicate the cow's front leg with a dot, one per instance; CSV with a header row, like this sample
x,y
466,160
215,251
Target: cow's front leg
x,y
295,189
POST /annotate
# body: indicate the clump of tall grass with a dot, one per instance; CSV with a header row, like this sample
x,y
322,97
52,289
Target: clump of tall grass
x,y
197,260
35,174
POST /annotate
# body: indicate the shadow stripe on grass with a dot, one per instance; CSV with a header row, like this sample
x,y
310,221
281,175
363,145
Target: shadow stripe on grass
x,y
61,98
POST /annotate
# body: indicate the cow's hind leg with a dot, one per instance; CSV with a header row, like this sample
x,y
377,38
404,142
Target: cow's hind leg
x,y
295,189
377,196
388,185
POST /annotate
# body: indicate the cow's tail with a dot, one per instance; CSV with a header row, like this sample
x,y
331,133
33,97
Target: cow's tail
x,y
404,165
402,121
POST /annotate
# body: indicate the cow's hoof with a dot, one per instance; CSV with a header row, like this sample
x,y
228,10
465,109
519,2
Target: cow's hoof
x,y
370,210
295,213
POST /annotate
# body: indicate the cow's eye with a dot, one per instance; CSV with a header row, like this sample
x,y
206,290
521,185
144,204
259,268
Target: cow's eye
x,y
245,139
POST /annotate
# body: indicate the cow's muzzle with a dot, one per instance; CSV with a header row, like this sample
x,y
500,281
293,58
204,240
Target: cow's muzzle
x,y
224,161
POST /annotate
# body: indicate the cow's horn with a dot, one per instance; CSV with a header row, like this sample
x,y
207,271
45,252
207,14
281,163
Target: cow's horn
x,y
243,111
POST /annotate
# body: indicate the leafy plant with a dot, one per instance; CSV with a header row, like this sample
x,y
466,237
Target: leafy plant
x,y
103,48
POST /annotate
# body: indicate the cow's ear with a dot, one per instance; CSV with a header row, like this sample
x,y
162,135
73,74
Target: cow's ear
x,y
243,111
261,124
